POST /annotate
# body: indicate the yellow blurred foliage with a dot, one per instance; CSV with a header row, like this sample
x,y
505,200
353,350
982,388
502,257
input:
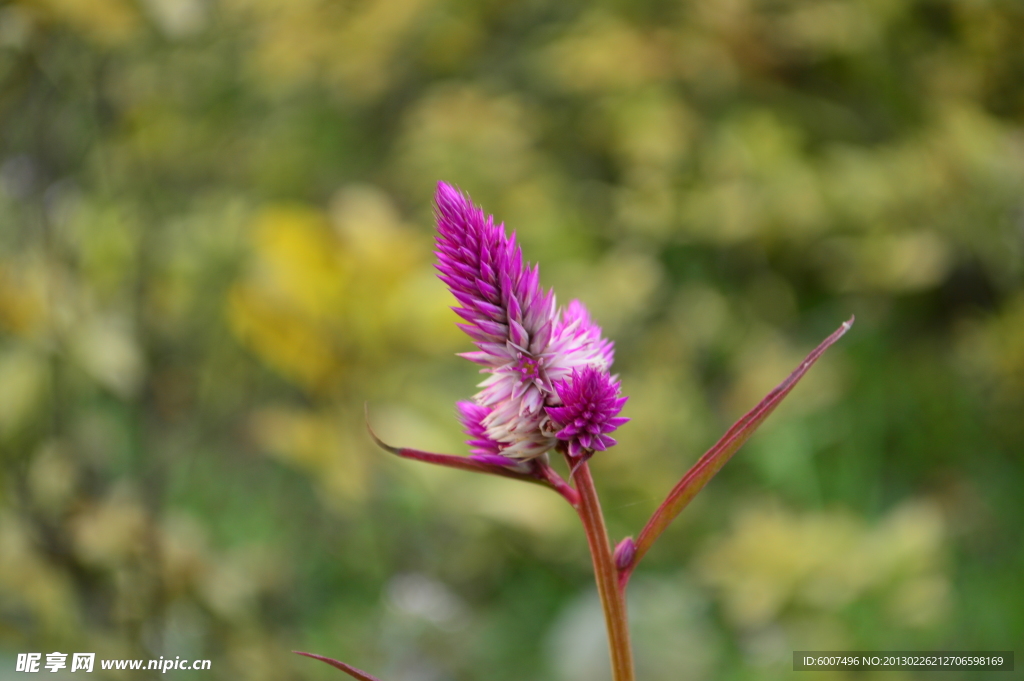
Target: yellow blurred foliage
x,y
601,53
105,347
108,22
28,580
106,238
774,559
461,133
300,259
653,128
184,553
759,183
178,18
367,221
902,262
625,290
326,290
235,579
22,300
24,375
284,310
317,444
52,477
351,44
528,507
112,530
297,348
836,26
994,348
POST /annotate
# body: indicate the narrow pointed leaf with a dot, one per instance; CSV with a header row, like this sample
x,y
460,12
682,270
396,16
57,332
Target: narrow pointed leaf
x,y
722,451
461,462
348,669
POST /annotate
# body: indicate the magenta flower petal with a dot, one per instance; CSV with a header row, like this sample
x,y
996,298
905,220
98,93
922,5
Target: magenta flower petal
x,y
524,343
484,269
589,411
472,415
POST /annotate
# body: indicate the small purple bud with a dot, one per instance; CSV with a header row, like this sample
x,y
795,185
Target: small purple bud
x,y
624,553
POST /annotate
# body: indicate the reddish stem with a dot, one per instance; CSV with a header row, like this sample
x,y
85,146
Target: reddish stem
x,y
550,475
611,592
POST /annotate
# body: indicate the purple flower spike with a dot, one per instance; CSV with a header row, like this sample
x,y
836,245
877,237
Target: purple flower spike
x,y
472,415
591,404
523,342
500,296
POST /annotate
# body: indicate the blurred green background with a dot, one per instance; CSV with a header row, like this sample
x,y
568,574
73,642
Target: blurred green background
x,y
215,246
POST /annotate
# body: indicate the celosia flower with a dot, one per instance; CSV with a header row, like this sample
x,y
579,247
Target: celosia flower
x,y
549,384
591,404
472,415
523,342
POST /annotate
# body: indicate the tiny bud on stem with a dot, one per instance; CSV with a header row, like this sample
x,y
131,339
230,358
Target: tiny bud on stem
x,y
624,553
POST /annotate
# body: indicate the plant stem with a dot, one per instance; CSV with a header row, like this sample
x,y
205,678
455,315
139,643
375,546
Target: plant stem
x,y
547,473
613,597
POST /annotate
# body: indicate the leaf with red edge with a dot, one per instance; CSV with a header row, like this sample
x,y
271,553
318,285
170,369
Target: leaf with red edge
x,y
348,669
716,457
536,471
461,462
